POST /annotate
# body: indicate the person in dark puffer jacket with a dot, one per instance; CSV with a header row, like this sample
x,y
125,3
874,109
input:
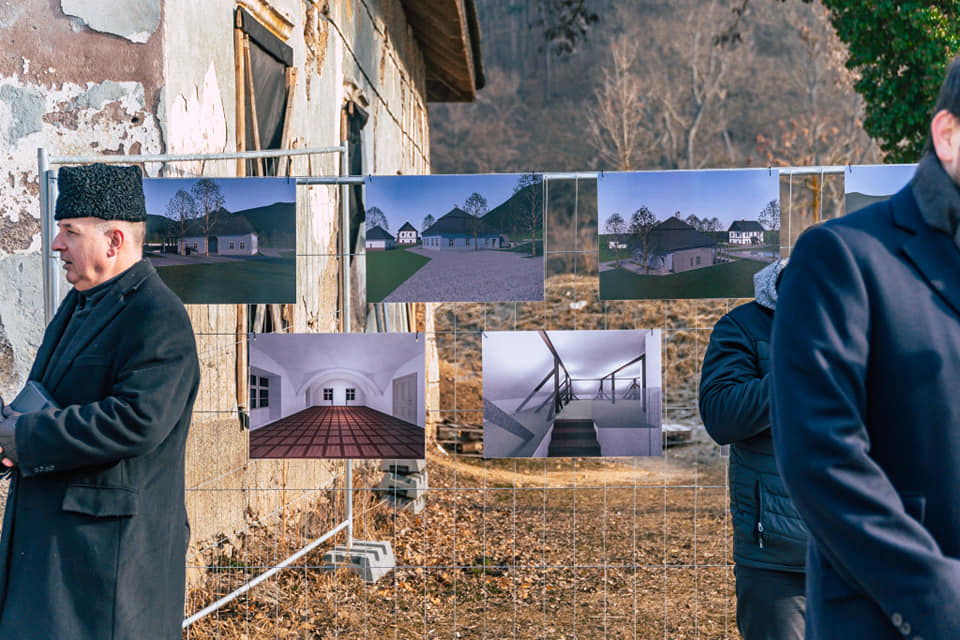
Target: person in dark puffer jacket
x,y
769,537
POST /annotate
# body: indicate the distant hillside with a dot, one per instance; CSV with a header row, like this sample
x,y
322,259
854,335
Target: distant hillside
x,y
854,201
513,216
276,224
158,227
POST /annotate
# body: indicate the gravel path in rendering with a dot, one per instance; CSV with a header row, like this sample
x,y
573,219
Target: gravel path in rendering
x,y
472,276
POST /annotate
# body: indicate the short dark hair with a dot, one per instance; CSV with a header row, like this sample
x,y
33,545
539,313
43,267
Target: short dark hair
x,y
948,99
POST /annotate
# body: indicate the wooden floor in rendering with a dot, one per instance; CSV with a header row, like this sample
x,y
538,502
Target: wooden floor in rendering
x,y
338,432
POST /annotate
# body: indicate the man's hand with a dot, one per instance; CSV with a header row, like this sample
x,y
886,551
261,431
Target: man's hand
x,y
7,436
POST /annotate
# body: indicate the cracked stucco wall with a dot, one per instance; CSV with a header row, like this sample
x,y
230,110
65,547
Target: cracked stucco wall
x,y
71,90
158,75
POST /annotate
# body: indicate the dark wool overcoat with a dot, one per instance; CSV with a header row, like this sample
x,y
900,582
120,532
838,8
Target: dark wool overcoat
x,y
866,421
95,530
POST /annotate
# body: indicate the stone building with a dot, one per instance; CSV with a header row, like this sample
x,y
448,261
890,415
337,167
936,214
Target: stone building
x,y
85,77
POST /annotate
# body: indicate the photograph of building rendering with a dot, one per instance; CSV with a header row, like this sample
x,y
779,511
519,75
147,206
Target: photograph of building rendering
x,y
223,240
454,238
571,394
357,396
867,184
686,234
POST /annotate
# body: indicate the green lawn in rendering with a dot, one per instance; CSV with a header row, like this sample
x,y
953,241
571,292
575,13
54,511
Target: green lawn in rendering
x,y
728,280
387,270
525,248
255,281
608,255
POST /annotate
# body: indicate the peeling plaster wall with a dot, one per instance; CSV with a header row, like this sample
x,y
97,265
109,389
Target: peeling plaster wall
x,y
84,84
69,90
198,114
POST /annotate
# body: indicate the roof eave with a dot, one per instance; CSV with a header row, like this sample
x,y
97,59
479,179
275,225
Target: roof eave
x,y
448,32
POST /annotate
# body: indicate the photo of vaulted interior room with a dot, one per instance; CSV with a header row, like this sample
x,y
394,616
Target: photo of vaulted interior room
x,y
358,396
571,394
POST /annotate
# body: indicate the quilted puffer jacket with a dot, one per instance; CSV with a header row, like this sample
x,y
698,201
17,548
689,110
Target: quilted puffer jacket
x,y
734,405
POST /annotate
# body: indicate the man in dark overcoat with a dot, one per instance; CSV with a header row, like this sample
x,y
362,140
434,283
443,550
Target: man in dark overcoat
x,y
95,530
866,403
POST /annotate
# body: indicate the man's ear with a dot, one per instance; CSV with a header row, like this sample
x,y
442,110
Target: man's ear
x,y
115,240
945,134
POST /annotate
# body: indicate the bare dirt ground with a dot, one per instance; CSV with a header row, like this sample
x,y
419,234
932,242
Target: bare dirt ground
x,y
511,549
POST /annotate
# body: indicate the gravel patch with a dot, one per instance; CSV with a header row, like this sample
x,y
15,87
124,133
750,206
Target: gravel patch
x,y
473,276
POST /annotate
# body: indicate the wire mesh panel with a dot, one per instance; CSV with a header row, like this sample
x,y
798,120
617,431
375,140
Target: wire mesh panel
x,y
505,548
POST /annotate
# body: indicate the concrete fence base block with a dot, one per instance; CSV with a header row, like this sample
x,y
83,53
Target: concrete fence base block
x,y
400,503
369,559
410,486
403,466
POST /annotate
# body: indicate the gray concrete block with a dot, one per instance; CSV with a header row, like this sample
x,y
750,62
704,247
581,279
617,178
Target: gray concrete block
x,y
369,559
410,486
403,466
406,504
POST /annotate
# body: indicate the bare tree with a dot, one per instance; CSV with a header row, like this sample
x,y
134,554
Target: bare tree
x,y
694,221
641,223
770,215
619,119
182,208
615,228
826,124
688,105
428,221
209,199
666,99
476,206
530,193
377,218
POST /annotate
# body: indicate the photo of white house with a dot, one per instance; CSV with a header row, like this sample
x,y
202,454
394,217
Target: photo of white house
x,y
572,393
745,232
337,396
480,238
378,239
686,234
407,234
458,230
223,240
231,235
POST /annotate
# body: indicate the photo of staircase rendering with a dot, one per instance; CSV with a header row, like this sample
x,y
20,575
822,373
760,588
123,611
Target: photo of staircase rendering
x,y
573,439
584,394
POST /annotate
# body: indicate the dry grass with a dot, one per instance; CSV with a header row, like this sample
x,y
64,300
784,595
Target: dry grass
x,y
512,549
525,549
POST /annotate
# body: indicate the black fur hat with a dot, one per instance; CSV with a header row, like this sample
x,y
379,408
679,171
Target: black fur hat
x,y
105,191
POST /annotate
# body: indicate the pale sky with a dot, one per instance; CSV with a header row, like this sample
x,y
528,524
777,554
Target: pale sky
x,y
877,179
726,194
411,198
238,193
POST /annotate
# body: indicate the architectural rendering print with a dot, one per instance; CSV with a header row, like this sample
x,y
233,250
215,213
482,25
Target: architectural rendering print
x,y
571,394
223,240
445,238
686,234
337,396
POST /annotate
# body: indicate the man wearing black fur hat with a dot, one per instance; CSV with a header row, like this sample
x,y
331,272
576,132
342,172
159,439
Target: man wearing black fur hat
x,y
95,530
